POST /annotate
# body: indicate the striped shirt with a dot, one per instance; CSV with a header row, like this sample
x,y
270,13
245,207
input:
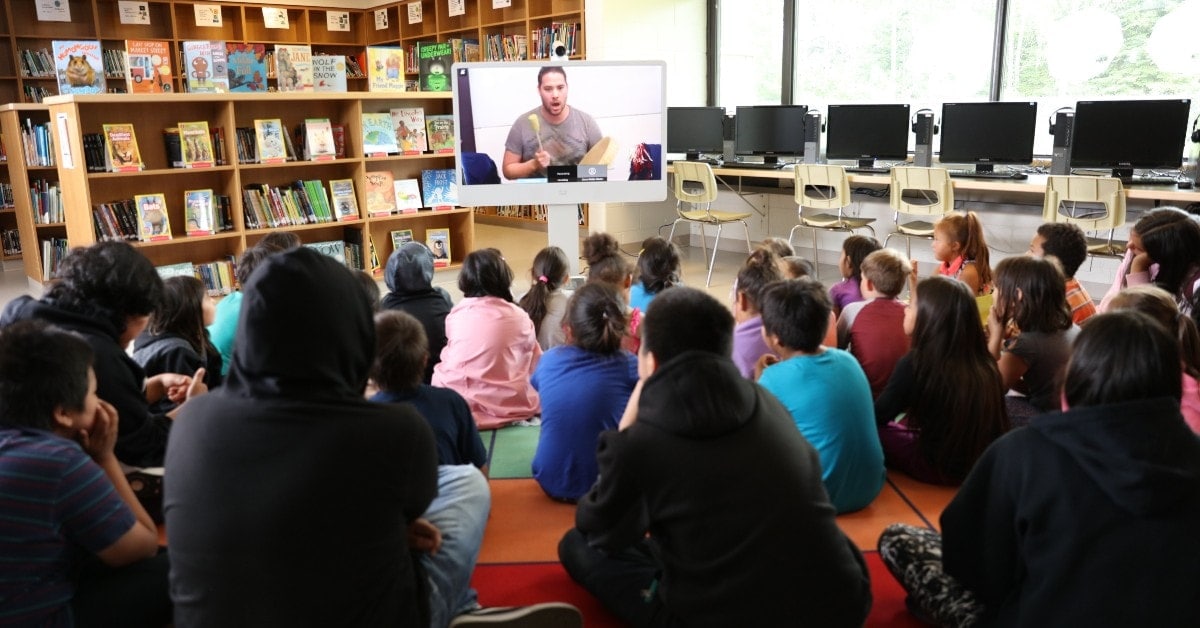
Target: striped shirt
x,y
1082,307
54,500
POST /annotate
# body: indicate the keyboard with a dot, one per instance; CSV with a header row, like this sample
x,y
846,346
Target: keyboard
x,y
754,165
858,170
975,174
711,162
1149,180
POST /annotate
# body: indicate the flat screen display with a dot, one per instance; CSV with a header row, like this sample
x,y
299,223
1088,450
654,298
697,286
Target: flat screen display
x,y
988,132
867,132
1127,134
771,130
695,130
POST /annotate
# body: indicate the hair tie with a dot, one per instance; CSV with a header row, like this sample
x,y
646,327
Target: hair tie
x,y
542,278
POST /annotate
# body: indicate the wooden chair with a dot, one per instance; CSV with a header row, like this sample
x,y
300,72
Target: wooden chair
x,y
1103,208
696,186
935,191
824,189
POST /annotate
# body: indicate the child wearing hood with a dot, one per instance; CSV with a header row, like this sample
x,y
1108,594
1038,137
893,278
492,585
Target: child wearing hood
x,y
409,278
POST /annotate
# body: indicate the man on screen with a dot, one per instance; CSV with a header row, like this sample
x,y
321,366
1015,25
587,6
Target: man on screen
x,y
553,134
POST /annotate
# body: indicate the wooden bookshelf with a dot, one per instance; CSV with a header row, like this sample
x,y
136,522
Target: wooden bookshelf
x,y
21,175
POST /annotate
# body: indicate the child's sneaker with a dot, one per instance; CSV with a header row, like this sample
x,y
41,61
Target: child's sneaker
x,y
548,615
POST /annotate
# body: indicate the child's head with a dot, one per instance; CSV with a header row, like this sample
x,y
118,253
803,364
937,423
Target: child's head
x,y
547,274
279,241
658,264
1122,356
45,377
855,249
185,310
596,319
112,276
887,270
370,288
759,271
409,269
942,317
605,261
778,246
1031,292
1160,305
795,313
485,273
1063,240
401,349
248,262
1171,238
795,267
958,234
686,319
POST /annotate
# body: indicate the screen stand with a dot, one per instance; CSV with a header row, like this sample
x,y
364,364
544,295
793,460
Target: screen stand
x,y
692,156
1124,174
562,230
985,167
866,163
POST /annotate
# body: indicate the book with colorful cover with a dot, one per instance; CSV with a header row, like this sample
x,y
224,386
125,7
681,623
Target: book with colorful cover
x,y
408,196
79,67
440,132
345,204
148,66
205,67
378,136
333,248
329,73
385,69
247,67
339,139
400,237
121,152
409,123
318,139
269,141
433,62
196,142
198,214
440,188
152,222
293,68
438,241
381,193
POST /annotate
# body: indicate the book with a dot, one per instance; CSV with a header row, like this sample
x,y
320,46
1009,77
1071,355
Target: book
x,y
385,69
433,63
438,241
339,139
247,67
196,142
378,136
148,67
409,124
440,132
78,67
408,196
204,66
293,68
400,237
329,73
182,269
318,139
121,152
153,224
268,141
333,248
381,193
198,214
440,188
345,204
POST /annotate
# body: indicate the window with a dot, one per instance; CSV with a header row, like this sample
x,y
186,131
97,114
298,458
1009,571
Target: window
x,y
751,32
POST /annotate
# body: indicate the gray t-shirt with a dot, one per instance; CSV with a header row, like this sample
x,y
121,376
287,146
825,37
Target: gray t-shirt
x,y
1046,356
566,142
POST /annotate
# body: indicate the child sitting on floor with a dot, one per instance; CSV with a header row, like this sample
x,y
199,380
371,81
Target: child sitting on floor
x,y
545,302
176,340
657,269
607,264
1066,242
760,270
855,249
959,245
873,330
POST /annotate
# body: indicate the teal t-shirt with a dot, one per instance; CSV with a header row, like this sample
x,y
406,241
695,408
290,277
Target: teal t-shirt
x,y
224,326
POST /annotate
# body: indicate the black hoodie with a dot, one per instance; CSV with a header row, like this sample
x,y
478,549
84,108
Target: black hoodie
x,y
1085,518
288,495
716,471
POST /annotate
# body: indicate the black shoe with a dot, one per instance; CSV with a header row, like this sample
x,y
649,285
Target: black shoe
x,y
548,615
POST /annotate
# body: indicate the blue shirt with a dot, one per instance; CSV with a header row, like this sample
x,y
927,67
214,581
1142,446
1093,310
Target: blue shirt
x,y
830,401
638,297
449,415
223,327
583,394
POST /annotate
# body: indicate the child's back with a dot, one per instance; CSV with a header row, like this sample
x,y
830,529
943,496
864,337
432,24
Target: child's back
x,y
873,330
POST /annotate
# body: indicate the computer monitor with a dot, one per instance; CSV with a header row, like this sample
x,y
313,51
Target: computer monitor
x,y
988,133
1127,134
771,131
695,130
867,133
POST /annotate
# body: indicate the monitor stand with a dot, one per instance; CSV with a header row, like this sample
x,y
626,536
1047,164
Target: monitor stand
x,y
692,156
1124,174
562,230
985,168
866,163
771,159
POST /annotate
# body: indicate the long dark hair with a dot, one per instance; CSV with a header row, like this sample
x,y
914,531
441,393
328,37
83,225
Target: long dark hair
x,y
181,312
547,273
757,272
1171,238
658,264
1042,306
485,273
958,404
596,317
1122,356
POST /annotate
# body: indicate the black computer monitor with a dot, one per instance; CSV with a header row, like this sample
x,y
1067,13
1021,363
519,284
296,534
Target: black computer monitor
x,y
867,133
1127,134
771,131
988,133
695,130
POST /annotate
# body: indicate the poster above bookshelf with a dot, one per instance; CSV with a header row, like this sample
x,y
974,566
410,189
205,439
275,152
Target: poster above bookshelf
x,y
255,26
158,13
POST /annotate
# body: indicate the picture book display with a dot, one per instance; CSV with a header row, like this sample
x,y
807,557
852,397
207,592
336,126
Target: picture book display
x,y
198,216
318,139
333,248
247,67
409,124
381,193
378,136
293,68
440,188
152,222
269,142
196,144
204,66
408,196
79,67
385,69
329,73
345,204
438,241
433,63
148,66
440,132
400,237
120,148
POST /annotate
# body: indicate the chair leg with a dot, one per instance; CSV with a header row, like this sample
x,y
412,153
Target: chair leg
x,y
713,263
671,236
792,234
749,247
816,257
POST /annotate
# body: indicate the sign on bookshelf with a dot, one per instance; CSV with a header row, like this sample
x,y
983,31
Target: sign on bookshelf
x,y
275,18
338,20
53,11
208,15
381,21
414,12
133,12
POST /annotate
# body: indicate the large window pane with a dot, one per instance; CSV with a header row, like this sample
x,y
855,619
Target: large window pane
x,y
751,48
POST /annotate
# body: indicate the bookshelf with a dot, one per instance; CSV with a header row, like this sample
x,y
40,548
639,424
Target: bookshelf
x,y
13,122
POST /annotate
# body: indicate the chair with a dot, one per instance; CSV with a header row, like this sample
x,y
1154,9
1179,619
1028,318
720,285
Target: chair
x,y
822,187
1103,208
935,189
695,184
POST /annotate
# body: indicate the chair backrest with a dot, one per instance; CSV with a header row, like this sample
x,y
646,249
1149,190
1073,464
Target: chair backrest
x,y
821,186
703,185
934,183
1106,191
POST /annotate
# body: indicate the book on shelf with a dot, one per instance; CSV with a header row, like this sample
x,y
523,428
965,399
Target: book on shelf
x,y
354,67
439,129
182,269
78,67
352,239
114,65
440,188
53,252
247,67
329,73
409,124
381,193
205,67
408,196
465,49
46,198
293,68
196,143
433,63
400,237
116,220
153,222
37,63
438,241
313,195
269,141
378,137
345,204
172,147
333,248
385,69
199,217
148,66
216,276
121,152
318,139
339,139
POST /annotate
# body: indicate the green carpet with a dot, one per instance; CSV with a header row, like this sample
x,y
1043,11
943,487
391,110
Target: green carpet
x,y
512,452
